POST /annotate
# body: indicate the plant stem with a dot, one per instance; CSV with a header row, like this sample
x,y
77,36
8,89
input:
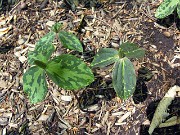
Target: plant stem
x,y
40,64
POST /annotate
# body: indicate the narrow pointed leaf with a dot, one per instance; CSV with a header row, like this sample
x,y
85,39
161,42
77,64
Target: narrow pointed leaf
x,y
105,57
43,49
178,9
69,72
166,8
70,41
131,50
124,78
34,84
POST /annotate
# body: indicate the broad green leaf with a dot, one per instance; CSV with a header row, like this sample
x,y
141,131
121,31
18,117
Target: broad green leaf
x,y
56,27
104,57
166,8
43,49
70,41
69,72
131,50
178,9
34,84
124,78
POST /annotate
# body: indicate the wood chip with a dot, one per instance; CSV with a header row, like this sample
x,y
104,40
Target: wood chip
x,y
125,116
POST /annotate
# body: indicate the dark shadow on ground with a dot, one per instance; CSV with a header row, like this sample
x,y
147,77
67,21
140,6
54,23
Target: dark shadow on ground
x,y
141,92
5,49
97,92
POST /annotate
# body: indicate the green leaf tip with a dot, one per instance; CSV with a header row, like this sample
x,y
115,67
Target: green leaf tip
x,y
70,41
34,84
57,27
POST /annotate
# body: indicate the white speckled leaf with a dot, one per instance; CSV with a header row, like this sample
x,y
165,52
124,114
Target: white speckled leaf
x,y
124,78
166,8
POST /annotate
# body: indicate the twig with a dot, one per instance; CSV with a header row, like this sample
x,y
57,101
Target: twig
x,y
118,11
14,7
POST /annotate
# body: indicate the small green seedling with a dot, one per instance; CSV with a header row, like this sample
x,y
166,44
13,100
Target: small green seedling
x,y
167,7
123,74
67,71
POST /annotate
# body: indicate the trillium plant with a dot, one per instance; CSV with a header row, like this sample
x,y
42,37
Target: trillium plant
x,y
123,73
65,70
167,7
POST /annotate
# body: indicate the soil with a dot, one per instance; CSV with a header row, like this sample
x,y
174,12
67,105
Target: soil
x,y
103,26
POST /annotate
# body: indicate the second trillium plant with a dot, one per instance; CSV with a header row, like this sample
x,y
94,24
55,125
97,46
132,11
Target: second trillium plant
x,y
167,7
67,71
123,74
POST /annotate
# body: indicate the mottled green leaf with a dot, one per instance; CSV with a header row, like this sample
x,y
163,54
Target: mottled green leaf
x,y
43,49
178,9
69,72
124,78
131,50
166,8
34,84
43,42
104,57
70,41
57,27
35,55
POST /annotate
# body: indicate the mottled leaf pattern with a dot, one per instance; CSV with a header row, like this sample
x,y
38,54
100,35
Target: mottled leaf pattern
x,y
166,8
34,84
178,9
131,50
104,57
44,41
70,41
124,78
69,72
43,49
41,56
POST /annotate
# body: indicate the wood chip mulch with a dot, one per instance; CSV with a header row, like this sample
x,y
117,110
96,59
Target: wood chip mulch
x,y
106,26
